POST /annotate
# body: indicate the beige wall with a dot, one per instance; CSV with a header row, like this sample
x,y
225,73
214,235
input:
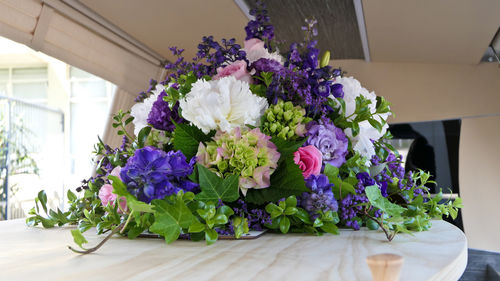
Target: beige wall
x,y
479,182
421,92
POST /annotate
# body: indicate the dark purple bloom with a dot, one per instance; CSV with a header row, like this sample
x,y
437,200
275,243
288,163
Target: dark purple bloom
x,y
321,196
161,116
268,65
330,140
337,90
153,174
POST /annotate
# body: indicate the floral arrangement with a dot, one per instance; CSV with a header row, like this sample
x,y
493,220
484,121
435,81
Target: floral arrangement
x,y
250,138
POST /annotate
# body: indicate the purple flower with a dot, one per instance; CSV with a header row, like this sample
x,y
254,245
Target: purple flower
x,y
161,116
153,174
330,140
337,90
268,65
321,196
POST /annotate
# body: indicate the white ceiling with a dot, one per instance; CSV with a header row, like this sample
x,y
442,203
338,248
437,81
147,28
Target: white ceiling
x,y
427,31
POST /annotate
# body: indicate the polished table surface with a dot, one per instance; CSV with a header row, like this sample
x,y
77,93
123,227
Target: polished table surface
x,y
41,254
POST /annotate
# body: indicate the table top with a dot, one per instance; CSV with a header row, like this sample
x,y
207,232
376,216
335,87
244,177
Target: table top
x,y
27,253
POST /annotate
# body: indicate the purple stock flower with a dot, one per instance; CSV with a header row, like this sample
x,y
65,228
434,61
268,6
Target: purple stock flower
x,y
321,196
161,116
330,140
153,174
268,65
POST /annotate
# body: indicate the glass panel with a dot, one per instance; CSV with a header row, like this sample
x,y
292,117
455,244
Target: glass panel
x,y
29,73
88,89
30,91
87,121
78,73
4,74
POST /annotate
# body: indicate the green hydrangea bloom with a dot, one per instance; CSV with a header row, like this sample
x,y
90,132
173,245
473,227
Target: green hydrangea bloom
x,y
285,121
249,154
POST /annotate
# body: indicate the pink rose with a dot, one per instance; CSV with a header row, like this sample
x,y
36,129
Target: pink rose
x,y
309,160
108,197
253,44
238,69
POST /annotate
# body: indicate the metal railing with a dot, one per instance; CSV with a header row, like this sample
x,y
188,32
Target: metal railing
x,y
31,153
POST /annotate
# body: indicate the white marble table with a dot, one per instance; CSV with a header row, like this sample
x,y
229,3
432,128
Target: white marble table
x,y
41,254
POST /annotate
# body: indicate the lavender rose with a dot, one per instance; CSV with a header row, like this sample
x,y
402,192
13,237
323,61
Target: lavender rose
x,y
330,140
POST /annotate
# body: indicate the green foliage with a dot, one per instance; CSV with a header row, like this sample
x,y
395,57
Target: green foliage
x,y
211,217
78,238
286,180
214,188
171,216
187,139
286,216
340,187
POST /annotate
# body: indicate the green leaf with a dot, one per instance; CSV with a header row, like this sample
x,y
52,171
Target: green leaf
x,y
220,219
187,139
284,224
287,180
225,210
214,188
211,236
290,211
375,170
330,228
78,238
303,215
42,196
71,196
371,224
143,136
171,218
286,148
291,201
120,189
240,226
377,200
196,227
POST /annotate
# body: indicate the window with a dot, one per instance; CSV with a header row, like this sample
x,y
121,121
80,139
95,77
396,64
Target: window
x,y
90,100
29,83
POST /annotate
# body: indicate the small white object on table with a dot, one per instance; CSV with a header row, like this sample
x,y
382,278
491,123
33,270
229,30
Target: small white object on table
x,y
28,253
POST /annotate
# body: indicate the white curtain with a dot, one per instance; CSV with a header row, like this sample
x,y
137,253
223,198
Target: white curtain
x,y
122,100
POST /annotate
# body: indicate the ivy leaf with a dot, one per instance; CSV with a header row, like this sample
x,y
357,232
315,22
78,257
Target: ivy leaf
x,y
187,139
78,238
214,188
376,199
286,148
287,180
171,218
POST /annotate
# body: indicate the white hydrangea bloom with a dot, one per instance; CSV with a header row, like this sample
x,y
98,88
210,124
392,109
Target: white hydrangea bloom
x,y
362,142
140,111
222,104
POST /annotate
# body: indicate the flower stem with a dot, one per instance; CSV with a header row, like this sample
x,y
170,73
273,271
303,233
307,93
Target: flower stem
x,y
93,249
128,220
388,234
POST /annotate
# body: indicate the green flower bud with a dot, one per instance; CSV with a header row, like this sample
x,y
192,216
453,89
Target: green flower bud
x,y
222,166
288,115
273,128
288,106
270,116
